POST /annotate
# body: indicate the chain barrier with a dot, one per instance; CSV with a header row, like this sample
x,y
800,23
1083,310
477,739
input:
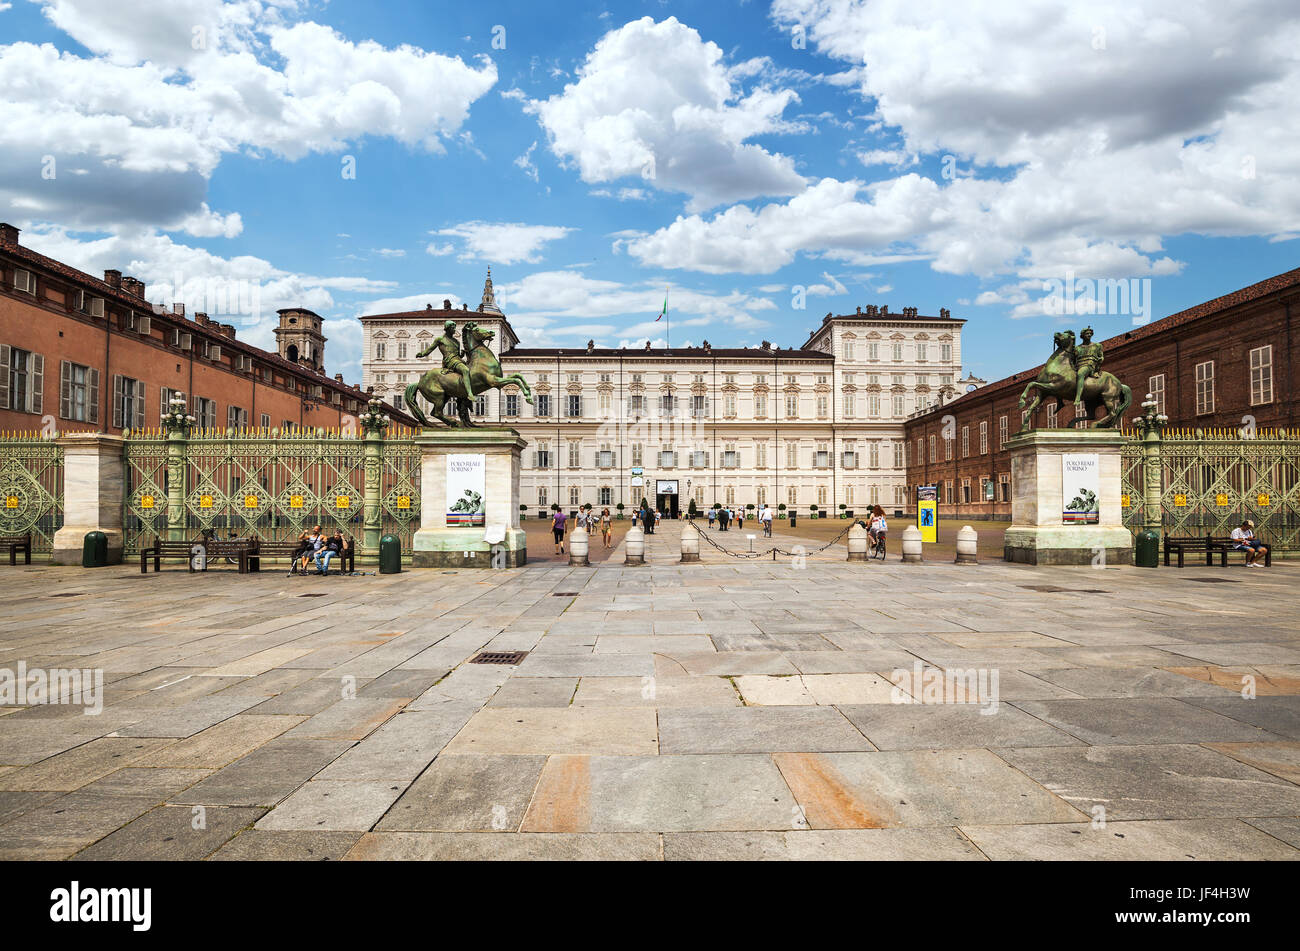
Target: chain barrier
x,y
775,551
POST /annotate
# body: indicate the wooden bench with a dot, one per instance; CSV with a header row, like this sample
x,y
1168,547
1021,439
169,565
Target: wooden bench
x,y
1211,545
243,549
344,560
16,544
1224,544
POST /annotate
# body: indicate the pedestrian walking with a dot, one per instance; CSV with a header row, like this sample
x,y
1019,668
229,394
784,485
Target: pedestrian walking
x,y
557,530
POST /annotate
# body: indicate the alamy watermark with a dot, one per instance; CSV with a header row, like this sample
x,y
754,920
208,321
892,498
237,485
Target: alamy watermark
x,y
1115,297
924,684
26,687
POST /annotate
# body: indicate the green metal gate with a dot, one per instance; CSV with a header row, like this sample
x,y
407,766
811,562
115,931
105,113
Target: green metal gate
x,y
31,488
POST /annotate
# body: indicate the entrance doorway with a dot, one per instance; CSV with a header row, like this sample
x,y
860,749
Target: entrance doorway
x,y
666,497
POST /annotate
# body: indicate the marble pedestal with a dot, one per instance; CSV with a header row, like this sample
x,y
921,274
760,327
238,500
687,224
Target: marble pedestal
x,y
438,545
92,495
1039,534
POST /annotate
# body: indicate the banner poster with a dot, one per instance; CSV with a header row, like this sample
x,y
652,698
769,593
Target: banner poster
x,y
466,480
927,512
1080,484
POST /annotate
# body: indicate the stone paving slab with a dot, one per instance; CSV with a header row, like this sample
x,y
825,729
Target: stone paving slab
x,y
1157,782
953,726
1277,715
403,746
467,793
487,846
822,845
661,692
324,805
757,730
255,845
267,775
1206,840
1145,721
1280,759
172,833
83,764
526,730
659,793
1103,682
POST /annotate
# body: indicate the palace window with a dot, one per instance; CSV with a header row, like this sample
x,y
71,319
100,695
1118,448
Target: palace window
x,y
849,405
541,495
605,496
945,353
873,351
898,404
760,406
205,411
542,405
729,405
381,350
792,496
78,392
575,454
128,403
873,406
575,406
542,457
898,353
1156,387
23,372
1261,375
934,449
638,451
899,463
401,351
792,455
823,407
574,495
512,404
1002,432
791,406
984,437
965,441
236,417
1205,387
947,448
760,455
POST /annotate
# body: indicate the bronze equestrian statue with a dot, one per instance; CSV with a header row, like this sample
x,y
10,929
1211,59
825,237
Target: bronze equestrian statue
x,y
1072,373
463,374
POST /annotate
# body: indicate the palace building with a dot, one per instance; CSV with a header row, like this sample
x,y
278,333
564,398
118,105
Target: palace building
x,y
1226,364
80,353
811,428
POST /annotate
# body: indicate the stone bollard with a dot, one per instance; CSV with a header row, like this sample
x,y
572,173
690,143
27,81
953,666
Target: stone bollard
x,y
579,543
634,547
858,540
912,545
690,543
966,546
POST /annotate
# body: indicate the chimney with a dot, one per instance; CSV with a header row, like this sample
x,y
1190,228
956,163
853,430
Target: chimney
x,y
199,316
113,279
179,309
228,330
446,303
338,377
133,287
8,233
859,310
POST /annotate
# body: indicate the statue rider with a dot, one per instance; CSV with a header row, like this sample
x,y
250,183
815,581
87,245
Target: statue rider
x,y
453,358
1088,358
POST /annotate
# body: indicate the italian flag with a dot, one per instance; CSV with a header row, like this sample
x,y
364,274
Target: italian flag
x,y
663,312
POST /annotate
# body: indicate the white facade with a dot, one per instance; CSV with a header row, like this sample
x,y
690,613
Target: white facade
x,y
820,425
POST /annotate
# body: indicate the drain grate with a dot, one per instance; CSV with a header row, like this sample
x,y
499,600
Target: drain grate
x,y
499,657
564,594
1052,588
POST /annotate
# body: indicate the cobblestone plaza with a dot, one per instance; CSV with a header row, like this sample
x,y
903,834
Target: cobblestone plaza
x,y
724,710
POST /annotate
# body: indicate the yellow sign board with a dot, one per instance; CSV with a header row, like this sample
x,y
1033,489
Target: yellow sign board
x,y
11,501
1221,499
342,501
1180,501
927,512
1263,499
146,501
295,501
403,501
1125,501
205,501
250,501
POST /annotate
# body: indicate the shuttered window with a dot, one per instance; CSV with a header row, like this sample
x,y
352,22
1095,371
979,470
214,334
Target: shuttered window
x,y
128,402
22,376
78,392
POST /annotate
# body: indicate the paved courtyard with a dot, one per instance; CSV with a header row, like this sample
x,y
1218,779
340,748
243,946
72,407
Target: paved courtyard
x,y
727,710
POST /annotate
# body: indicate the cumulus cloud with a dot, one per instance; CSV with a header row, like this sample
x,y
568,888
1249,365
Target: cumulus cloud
x,y
498,243
1063,138
175,85
657,102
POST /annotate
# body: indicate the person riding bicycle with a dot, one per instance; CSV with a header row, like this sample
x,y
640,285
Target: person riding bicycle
x,y
878,527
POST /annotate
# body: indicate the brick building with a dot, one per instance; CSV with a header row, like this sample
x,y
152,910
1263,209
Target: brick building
x,y
1228,362
80,353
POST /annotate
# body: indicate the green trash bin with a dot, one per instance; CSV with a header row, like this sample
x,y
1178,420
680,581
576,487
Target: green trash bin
x,y
1146,554
390,555
94,550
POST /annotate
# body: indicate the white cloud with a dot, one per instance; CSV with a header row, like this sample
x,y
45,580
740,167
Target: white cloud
x,y
499,243
175,85
656,102
1075,138
390,252
525,162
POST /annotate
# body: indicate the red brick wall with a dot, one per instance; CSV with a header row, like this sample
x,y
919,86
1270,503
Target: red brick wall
x,y
1225,336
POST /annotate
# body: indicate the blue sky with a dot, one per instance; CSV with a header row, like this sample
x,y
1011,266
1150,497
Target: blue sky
x,y
769,162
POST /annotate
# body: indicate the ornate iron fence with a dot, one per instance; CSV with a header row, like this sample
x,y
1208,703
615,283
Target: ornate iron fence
x,y
31,488
268,485
1210,480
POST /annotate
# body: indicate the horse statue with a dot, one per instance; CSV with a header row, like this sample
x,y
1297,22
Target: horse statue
x,y
1059,378
438,385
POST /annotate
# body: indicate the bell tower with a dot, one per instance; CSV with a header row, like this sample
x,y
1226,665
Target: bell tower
x,y
299,339
489,303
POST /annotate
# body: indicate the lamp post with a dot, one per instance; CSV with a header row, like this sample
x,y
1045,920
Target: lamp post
x,y
1151,424
373,423
176,423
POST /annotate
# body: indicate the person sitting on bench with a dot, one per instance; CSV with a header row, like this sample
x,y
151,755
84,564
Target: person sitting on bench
x,y
1243,539
310,545
330,546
